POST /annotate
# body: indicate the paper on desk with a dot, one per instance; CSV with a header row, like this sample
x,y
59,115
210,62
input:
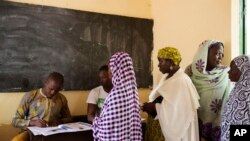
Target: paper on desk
x,y
41,131
76,126
63,128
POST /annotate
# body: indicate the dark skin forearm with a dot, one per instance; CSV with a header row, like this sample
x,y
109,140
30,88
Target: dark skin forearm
x,y
91,111
149,108
38,123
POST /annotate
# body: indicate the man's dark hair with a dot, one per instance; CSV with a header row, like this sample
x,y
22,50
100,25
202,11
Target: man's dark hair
x,y
56,76
104,68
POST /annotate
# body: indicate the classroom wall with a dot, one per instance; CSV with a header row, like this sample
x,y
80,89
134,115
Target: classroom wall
x,y
185,24
130,8
179,23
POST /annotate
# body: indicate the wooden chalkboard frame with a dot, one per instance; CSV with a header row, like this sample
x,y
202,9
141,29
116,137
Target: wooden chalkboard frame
x,y
36,40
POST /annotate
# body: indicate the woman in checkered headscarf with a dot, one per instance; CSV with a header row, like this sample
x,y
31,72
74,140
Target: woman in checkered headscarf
x,y
120,119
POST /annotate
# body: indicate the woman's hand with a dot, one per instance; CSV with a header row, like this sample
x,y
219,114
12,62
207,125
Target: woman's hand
x,y
141,106
149,107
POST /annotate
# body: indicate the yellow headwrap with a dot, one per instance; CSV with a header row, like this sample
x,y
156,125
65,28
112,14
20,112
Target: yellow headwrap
x,y
170,53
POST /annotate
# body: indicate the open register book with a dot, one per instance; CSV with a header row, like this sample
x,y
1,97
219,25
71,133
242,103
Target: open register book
x,y
62,128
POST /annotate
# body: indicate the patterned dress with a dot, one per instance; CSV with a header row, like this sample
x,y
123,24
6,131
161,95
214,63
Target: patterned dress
x,y
237,109
120,118
213,87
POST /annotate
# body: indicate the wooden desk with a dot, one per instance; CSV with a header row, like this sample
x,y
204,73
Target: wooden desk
x,y
73,136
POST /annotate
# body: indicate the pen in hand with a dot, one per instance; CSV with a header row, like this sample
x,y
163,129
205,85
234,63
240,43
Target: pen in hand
x,y
44,121
39,122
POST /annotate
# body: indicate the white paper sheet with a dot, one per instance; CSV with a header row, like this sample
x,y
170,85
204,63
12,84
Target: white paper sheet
x,y
62,128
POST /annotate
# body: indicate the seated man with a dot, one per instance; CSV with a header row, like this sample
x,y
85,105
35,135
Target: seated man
x,y
97,95
42,107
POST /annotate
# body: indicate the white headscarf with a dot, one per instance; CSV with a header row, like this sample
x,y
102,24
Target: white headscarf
x,y
213,87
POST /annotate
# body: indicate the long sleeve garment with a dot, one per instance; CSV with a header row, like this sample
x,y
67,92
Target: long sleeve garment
x,y
35,104
177,113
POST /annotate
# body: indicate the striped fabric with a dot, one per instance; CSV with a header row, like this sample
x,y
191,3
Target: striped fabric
x,y
120,119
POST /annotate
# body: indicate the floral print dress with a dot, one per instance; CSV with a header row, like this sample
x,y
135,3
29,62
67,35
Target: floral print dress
x,y
213,87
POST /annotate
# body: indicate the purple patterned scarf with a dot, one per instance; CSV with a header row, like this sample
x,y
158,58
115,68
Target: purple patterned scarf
x,y
237,109
120,118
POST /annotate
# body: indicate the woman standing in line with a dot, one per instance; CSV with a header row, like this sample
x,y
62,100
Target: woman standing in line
x,y
211,81
120,116
237,109
173,103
